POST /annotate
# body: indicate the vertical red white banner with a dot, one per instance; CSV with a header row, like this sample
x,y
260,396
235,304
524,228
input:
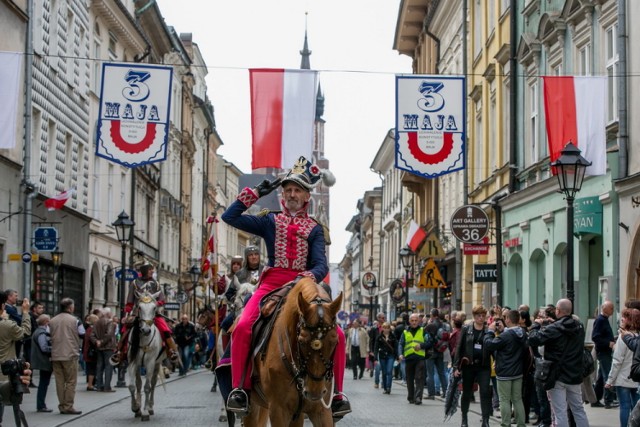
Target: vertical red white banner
x,y
575,110
283,110
430,124
133,121
10,72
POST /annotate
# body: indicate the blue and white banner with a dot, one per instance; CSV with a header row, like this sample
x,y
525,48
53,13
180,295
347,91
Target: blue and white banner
x,y
430,124
133,122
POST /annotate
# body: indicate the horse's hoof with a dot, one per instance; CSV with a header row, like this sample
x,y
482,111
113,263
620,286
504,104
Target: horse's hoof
x,y
137,414
222,418
151,412
145,418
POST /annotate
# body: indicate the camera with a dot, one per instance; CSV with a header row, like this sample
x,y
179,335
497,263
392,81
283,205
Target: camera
x,y
14,369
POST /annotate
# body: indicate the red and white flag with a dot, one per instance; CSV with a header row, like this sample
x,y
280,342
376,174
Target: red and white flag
x,y
283,110
415,236
210,259
58,201
575,110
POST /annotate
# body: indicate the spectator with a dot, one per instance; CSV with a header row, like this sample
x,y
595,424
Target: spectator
x,y
509,349
435,362
563,342
358,343
226,281
103,337
185,333
401,324
473,362
385,350
12,312
412,348
36,310
619,375
374,333
89,352
66,330
41,359
11,333
603,340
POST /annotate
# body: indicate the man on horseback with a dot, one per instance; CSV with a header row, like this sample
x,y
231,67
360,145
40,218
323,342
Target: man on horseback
x,y
295,248
145,283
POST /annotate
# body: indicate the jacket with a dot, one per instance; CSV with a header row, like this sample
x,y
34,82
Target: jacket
x,y
65,337
41,350
602,335
104,331
306,254
385,348
621,366
508,349
425,345
465,348
363,338
566,332
184,334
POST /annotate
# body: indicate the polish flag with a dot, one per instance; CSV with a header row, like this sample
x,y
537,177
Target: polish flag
x,y
415,236
575,110
283,110
209,266
58,201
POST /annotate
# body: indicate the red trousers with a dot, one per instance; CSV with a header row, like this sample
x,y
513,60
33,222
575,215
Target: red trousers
x,y
271,279
161,324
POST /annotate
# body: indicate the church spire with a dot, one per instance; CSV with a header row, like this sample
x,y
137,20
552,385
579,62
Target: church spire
x,y
305,63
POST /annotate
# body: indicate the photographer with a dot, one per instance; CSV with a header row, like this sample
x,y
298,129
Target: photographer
x,y
10,333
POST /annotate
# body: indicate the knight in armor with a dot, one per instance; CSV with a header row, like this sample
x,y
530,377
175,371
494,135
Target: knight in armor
x,y
252,266
146,282
296,247
226,281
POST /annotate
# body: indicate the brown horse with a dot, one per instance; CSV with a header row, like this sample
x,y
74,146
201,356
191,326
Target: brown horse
x,y
295,370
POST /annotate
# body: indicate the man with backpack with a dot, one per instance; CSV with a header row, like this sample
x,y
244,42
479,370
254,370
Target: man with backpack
x,y
435,361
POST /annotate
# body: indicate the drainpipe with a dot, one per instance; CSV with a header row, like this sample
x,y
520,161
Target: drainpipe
x,y
425,27
498,212
28,187
623,136
513,93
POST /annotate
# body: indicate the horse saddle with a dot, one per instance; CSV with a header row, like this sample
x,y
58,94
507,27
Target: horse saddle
x,y
270,306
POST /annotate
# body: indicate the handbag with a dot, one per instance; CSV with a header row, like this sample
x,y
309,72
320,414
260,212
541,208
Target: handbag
x,y
92,352
545,373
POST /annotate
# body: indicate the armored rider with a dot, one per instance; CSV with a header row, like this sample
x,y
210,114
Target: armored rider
x,y
146,282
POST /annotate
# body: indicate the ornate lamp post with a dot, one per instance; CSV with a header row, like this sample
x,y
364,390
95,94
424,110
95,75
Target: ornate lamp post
x,y
124,227
406,257
194,272
570,168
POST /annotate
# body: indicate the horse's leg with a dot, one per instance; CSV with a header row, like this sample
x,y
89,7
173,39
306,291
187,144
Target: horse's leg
x,y
135,403
147,388
154,382
320,417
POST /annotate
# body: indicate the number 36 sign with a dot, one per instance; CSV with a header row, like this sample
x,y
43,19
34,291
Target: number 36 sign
x,y
469,223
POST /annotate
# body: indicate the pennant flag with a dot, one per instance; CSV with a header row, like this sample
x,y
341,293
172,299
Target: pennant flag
x,y
283,110
58,201
10,70
575,110
415,236
209,266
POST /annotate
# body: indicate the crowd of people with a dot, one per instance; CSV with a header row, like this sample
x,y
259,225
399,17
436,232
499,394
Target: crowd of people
x,y
495,355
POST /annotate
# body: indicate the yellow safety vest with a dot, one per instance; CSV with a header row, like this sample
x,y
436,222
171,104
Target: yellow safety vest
x,y
410,342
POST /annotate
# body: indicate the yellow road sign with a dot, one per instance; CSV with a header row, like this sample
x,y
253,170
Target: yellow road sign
x,y
432,248
430,278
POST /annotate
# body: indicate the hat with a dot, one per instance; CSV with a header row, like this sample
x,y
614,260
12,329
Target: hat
x,y
236,259
308,175
251,250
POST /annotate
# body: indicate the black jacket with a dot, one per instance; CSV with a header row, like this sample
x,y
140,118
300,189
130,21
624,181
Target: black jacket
x,y
385,348
602,335
465,348
508,349
184,334
565,333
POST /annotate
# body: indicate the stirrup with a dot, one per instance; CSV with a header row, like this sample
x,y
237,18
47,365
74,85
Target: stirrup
x,y
114,360
240,411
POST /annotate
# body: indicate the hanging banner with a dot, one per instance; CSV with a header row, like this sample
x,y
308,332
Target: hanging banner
x,y
430,124
133,121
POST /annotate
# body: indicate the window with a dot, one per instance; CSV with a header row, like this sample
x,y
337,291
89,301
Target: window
x,y
68,161
506,119
52,145
491,11
478,144
69,60
584,62
477,28
110,213
113,41
492,143
611,61
97,214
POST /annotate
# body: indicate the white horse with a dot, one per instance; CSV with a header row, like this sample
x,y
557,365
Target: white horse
x,y
145,350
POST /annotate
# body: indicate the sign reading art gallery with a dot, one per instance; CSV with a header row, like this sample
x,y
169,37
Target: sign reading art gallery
x,y
430,124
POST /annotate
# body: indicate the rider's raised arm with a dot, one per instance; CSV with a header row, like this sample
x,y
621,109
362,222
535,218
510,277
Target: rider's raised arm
x,y
249,223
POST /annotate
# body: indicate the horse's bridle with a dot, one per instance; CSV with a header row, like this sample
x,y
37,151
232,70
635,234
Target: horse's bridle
x,y
299,370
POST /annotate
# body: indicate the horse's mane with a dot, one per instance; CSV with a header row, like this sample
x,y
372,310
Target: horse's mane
x,y
309,291
244,289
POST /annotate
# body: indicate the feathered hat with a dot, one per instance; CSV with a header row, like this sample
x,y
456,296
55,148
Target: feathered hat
x,y
308,175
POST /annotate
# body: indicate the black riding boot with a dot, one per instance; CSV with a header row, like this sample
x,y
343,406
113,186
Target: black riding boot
x,y
464,423
485,421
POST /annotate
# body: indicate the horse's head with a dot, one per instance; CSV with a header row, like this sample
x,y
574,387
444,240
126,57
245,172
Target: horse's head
x,y
317,339
244,290
205,316
146,311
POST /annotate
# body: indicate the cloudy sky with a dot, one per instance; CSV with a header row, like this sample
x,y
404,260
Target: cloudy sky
x,y
352,47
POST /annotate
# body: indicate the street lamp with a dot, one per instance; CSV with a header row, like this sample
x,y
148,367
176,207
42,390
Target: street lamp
x,y
406,257
570,168
124,227
56,258
194,272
